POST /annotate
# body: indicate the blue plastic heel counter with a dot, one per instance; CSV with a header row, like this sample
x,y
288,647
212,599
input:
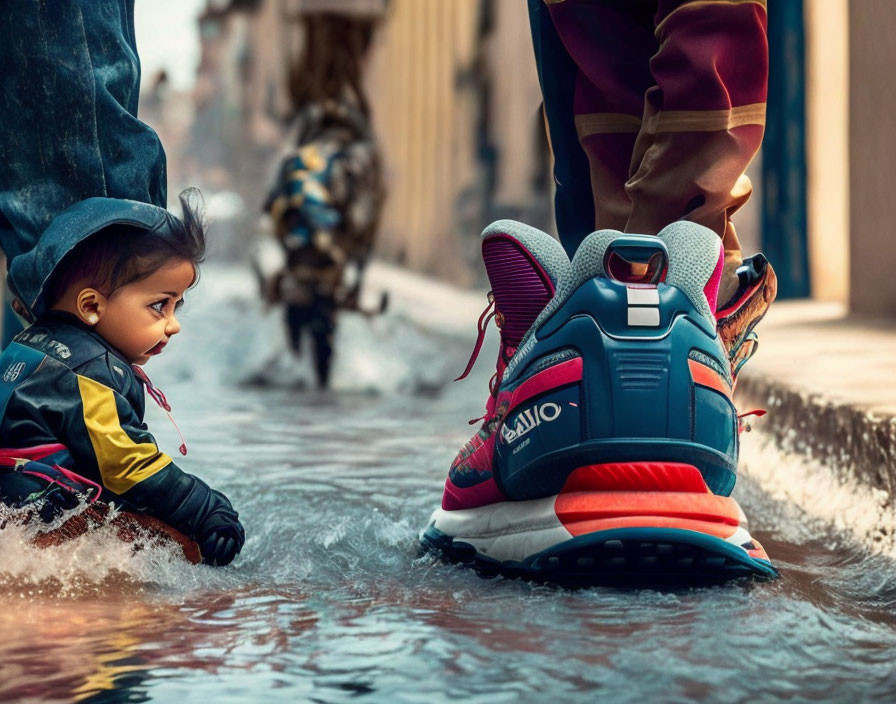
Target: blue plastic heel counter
x,y
715,421
639,375
638,399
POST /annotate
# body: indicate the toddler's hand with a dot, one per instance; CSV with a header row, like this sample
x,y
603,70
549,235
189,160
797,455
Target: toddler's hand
x,y
221,545
221,536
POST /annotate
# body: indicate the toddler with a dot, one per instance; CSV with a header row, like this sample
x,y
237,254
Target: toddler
x,y
104,301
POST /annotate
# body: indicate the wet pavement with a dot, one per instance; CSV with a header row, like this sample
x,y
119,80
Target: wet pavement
x,y
330,600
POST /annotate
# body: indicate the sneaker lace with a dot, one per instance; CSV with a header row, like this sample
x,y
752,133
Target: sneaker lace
x,y
744,426
484,318
507,351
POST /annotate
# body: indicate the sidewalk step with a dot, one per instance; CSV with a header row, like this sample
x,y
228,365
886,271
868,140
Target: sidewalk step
x,y
828,381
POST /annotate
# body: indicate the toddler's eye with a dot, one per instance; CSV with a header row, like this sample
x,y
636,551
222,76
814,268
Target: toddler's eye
x,y
179,304
159,306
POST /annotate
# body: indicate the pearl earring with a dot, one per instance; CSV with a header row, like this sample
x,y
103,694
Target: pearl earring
x,y
93,319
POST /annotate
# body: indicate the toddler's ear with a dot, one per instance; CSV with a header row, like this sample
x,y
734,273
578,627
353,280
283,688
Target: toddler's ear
x,y
90,305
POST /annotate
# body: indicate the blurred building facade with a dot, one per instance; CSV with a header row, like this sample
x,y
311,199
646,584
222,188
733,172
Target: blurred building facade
x,y
455,104
827,147
240,97
871,164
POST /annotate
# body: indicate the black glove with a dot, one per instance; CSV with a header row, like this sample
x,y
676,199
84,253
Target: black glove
x,y
221,535
222,545
190,505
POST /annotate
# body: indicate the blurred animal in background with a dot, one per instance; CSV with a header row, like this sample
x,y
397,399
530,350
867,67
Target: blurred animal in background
x,y
326,199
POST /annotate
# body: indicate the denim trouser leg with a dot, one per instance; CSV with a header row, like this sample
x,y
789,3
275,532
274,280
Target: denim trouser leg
x,y
68,105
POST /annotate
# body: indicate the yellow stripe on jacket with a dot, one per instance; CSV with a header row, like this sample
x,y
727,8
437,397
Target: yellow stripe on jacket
x,y
121,461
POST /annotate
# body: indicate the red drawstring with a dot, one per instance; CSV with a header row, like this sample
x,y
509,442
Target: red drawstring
x,y
162,402
487,315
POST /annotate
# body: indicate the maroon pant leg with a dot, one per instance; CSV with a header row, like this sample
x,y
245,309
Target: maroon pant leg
x,y
703,119
670,108
611,43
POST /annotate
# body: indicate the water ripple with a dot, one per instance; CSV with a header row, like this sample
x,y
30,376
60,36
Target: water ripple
x,y
331,601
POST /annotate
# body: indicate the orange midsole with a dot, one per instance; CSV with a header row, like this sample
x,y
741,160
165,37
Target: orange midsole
x,y
671,509
718,530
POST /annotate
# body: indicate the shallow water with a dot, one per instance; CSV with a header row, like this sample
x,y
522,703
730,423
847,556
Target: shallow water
x,y
330,601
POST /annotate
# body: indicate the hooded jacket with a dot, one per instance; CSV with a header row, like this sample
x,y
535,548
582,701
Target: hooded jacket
x,y
60,382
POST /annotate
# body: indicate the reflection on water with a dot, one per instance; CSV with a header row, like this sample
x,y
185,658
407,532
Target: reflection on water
x,y
331,602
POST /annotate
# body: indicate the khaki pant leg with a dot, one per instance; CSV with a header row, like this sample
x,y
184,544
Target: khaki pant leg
x,y
703,119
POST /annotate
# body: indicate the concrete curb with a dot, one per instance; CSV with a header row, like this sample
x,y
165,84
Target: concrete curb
x,y
855,444
828,380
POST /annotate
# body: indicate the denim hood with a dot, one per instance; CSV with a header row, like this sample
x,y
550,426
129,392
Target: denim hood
x,y
29,273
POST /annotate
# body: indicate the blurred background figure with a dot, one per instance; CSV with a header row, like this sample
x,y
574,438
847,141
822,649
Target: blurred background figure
x,y
326,200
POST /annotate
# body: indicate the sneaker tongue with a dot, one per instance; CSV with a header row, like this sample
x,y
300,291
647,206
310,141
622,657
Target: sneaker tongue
x,y
521,284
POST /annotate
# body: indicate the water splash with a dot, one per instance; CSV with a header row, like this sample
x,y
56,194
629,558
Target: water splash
x,y
813,499
98,561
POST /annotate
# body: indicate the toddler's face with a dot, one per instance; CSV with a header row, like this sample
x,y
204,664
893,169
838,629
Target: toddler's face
x,y
139,319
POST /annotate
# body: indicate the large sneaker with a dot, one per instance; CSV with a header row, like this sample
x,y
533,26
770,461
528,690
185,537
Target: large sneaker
x,y
614,439
523,265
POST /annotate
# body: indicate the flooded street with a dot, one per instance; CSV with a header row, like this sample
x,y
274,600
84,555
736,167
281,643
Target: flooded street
x,y
330,601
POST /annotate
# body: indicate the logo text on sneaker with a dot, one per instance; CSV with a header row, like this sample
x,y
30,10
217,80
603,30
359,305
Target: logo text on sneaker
x,y
530,419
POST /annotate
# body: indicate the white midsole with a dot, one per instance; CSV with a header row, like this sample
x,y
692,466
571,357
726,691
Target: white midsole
x,y
508,531
516,530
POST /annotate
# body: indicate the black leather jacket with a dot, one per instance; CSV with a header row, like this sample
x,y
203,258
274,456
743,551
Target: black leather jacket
x,y
60,382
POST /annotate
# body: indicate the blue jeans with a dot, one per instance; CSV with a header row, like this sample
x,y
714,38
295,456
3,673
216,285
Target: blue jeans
x,y
68,106
68,116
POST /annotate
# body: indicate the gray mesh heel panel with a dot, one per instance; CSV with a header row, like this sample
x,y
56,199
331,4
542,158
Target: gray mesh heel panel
x,y
587,263
548,252
693,255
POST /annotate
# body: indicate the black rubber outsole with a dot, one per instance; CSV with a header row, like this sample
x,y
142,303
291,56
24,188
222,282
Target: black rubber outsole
x,y
641,556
